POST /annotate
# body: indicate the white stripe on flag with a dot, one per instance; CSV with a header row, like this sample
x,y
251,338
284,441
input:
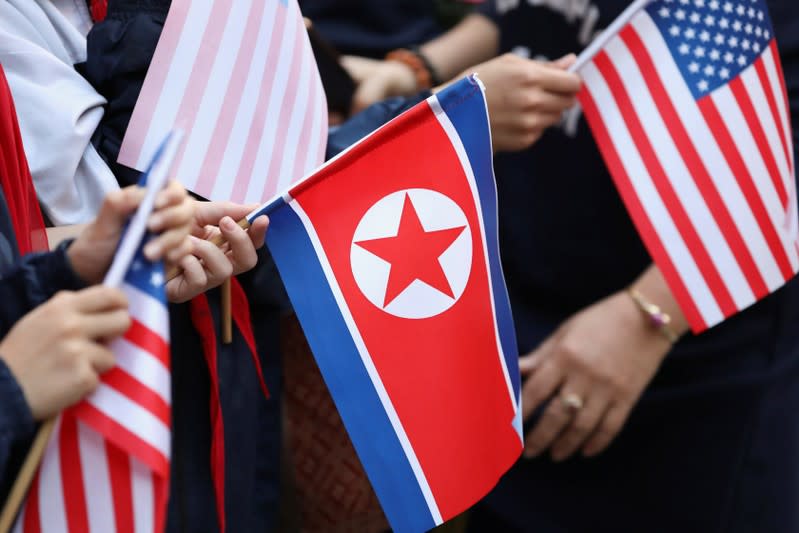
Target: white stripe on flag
x,y
207,114
463,158
141,364
709,151
257,180
175,86
747,147
776,88
142,492
52,512
678,174
757,94
96,479
312,158
369,365
234,150
649,197
147,310
294,130
133,417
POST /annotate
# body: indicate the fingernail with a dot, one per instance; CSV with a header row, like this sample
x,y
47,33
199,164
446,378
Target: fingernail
x,y
228,223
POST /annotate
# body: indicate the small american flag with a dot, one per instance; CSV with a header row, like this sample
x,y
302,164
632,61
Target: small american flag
x,y
241,79
687,103
106,466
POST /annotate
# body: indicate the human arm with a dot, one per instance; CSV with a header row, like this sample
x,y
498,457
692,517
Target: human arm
x,y
57,351
73,265
51,359
474,40
91,253
604,357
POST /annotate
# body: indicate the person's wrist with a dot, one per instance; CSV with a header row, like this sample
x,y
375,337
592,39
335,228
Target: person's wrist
x,y
655,316
81,261
416,67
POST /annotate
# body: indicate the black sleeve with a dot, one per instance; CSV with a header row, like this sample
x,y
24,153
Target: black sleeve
x,y
16,429
368,120
32,281
488,8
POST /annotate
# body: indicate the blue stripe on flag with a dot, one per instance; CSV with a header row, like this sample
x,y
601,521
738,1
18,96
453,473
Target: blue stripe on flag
x,y
346,377
470,119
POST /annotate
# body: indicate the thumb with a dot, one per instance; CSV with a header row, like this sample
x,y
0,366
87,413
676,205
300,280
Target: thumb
x,y
564,62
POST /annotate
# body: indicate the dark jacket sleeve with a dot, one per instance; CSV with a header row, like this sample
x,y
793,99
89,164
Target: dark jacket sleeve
x,y
16,429
32,281
368,120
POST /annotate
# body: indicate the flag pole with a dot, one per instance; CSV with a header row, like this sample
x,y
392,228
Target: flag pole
x,y
25,476
611,31
227,314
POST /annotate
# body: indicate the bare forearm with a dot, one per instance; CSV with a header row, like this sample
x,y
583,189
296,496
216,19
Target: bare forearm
x,y
61,233
474,40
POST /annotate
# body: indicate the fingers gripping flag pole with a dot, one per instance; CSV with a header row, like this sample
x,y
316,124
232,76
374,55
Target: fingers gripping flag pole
x,y
687,103
106,465
390,256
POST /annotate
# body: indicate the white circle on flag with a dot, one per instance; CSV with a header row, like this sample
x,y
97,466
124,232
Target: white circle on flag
x,y
441,220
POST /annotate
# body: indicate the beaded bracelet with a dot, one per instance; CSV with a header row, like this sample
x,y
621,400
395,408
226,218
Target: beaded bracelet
x,y
426,76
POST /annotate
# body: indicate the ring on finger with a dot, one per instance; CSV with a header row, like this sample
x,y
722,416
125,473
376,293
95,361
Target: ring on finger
x,y
572,402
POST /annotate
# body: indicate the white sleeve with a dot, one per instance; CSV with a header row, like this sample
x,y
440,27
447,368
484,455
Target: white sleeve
x,y
58,110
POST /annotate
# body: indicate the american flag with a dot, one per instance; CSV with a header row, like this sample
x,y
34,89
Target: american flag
x,y
106,465
687,103
241,79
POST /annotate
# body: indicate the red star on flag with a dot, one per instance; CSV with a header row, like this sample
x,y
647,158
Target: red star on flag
x,y
413,254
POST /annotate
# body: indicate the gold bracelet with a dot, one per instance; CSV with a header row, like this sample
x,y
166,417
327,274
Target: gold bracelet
x,y
658,318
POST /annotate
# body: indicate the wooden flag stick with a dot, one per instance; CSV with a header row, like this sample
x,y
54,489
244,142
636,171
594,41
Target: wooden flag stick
x,y
227,315
26,473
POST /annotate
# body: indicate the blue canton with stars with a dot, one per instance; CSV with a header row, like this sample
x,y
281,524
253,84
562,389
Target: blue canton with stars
x,y
713,41
147,276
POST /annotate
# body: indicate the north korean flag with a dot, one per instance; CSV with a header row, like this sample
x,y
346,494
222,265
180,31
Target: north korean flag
x,y
390,257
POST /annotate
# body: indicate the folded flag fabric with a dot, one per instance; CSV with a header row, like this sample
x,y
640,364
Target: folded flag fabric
x,y
106,466
390,256
687,102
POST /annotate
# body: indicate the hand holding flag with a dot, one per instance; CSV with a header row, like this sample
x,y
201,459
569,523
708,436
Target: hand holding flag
x,y
687,103
106,466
